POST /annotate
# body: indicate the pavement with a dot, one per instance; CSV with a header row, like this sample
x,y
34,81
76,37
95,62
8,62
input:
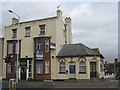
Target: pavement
x,y
105,83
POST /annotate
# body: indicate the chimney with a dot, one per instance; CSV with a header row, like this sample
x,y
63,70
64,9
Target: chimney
x,y
67,20
105,62
15,20
59,13
116,60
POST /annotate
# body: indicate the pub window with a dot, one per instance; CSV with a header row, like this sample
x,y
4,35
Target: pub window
x,y
16,49
38,45
39,68
10,48
46,45
9,68
39,50
14,33
62,67
27,31
46,67
42,29
30,69
82,67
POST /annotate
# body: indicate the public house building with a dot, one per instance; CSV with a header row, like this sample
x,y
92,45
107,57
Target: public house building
x,y
46,51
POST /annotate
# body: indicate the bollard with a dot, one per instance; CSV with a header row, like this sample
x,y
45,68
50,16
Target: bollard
x,y
12,83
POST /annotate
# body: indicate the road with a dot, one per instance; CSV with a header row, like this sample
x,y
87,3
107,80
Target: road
x,y
105,83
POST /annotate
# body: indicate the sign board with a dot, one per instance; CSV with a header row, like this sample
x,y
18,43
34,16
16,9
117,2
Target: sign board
x,y
39,55
23,63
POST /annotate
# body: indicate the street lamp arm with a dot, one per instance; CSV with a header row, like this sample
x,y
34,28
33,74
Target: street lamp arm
x,y
14,14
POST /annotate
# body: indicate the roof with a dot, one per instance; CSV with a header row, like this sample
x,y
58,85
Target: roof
x,y
76,50
39,19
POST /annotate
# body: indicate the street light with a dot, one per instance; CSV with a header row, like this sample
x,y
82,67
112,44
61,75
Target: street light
x,y
17,44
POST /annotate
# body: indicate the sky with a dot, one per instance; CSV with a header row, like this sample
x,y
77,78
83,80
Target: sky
x,y
94,24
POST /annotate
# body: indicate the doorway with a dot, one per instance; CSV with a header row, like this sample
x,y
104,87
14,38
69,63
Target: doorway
x,y
72,72
23,73
93,71
72,69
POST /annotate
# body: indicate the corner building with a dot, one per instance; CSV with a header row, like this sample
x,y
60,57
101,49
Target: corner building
x,y
41,42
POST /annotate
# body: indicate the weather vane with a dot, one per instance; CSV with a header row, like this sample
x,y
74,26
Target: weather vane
x,y
58,6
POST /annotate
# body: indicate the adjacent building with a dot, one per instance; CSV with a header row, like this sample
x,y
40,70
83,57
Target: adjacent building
x,y
1,56
46,51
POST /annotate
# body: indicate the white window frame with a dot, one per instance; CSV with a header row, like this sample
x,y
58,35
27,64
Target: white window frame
x,y
62,67
47,46
42,29
9,68
27,31
16,48
10,48
14,33
39,66
39,45
81,65
46,67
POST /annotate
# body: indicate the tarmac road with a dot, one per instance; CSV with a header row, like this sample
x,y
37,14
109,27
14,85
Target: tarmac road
x,y
105,83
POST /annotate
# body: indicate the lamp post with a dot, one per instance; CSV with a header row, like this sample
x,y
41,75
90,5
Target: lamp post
x,y
17,44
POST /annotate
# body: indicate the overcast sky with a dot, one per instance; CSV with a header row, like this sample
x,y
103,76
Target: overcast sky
x,y
94,24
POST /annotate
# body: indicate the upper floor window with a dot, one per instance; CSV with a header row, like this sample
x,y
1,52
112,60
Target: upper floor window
x,y
39,50
10,48
42,29
14,33
46,45
39,45
27,31
82,67
62,67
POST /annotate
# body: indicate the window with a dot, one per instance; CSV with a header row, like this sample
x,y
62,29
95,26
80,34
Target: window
x,y
82,67
62,67
46,67
16,49
42,30
39,45
14,33
39,68
10,48
30,69
39,50
101,67
9,68
46,45
27,34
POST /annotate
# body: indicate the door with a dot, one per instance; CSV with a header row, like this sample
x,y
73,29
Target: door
x,y
72,72
93,72
23,73
72,69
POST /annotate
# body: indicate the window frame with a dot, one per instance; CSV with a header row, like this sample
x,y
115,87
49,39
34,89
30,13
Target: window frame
x,y
10,48
83,65
42,29
47,66
27,31
61,67
10,66
40,66
47,46
14,31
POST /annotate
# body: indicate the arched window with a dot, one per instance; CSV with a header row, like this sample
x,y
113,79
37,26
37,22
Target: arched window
x,y
62,67
82,67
